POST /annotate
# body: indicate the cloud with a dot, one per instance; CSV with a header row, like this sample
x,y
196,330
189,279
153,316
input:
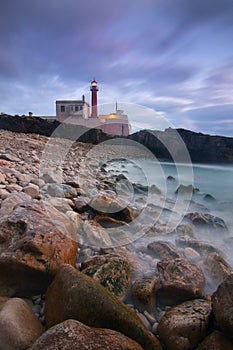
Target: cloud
x,y
174,56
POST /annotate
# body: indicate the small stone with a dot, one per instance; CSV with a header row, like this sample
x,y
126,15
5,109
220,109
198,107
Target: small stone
x,y
2,177
150,317
143,292
81,204
144,320
14,188
36,309
192,255
154,328
32,190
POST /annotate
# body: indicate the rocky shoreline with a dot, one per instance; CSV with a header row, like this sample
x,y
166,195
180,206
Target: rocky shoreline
x,y
81,267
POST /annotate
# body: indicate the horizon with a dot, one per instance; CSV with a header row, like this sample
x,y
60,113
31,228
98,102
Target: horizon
x,y
175,58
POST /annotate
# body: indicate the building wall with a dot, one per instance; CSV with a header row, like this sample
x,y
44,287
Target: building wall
x,y
118,126
65,109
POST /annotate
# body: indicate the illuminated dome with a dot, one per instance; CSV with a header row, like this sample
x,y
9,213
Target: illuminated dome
x,y
94,83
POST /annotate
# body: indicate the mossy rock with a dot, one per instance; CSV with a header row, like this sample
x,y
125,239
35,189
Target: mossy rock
x,y
186,189
74,295
208,197
113,273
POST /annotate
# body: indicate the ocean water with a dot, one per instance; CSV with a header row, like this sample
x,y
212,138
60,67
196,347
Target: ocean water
x,y
214,180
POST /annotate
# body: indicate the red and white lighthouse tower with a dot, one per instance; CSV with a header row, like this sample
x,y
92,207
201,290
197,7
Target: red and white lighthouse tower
x,y
94,89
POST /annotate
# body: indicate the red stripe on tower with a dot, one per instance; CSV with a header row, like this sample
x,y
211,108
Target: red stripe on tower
x,y
94,89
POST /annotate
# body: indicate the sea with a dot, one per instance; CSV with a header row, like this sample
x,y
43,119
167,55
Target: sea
x,y
212,193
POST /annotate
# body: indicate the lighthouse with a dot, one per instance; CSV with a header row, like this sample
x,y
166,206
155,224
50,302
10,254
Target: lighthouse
x,y
94,89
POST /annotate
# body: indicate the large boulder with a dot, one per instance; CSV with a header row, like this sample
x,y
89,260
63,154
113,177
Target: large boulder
x,y
216,341
73,335
75,295
180,280
112,271
222,304
184,326
34,241
19,327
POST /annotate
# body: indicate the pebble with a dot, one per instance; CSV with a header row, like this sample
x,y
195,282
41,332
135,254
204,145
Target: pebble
x,y
192,254
154,328
36,309
150,317
144,320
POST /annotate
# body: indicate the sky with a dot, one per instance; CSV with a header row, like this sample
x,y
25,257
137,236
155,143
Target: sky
x,y
172,56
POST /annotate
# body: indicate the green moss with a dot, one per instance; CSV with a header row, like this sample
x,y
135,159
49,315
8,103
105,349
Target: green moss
x,y
91,270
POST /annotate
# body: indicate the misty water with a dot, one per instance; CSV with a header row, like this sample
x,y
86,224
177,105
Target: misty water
x,y
216,181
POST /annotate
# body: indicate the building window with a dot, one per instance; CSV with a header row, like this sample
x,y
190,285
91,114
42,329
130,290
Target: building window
x,y
76,109
63,108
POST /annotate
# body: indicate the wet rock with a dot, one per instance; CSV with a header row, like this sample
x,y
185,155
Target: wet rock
x,y
186,229
164,250
209,198
111,272
72,335
19,327
192,255
216,341
184,326
89,302
143,292
170,178
34,241
202,247
222,305
108,221
179,280
144,320
218,269
206,219
186,189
